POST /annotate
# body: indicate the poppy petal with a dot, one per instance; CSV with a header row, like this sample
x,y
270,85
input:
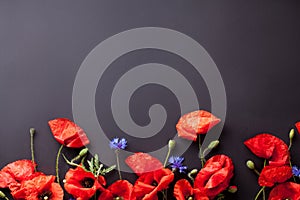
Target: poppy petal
x,y
68,133
273,174
142,162
182,189
288,190
196,122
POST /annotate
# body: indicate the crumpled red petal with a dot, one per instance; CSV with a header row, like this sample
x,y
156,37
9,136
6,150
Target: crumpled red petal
x,y
68,133
6,179
120,188
288,190
183,189
38,186
269,147
20,170
215,176
142,163
75,178
194,123
148,184
273,174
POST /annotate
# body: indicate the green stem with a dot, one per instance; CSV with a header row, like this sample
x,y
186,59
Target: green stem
x,y
57,161
167,157
201,155
259,192
32,146
291,143
292,167
118,164
257,172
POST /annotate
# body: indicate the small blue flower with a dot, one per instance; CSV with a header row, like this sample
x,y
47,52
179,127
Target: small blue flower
x,y
296,171
176,163
118,143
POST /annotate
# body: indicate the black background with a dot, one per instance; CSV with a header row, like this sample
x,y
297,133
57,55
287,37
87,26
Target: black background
x,y
255,45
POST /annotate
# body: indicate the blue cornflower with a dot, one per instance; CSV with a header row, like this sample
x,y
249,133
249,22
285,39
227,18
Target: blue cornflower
x,y
296,171
118,143
176,163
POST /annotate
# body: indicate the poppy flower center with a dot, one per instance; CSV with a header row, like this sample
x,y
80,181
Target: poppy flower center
x,y
87,182
45,195
154,183
189,198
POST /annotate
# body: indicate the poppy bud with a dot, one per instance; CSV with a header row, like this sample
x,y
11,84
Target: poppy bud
x,y
2,195
194,171
32,131
83,152
171,144
213,144
292,134
250,164
232,189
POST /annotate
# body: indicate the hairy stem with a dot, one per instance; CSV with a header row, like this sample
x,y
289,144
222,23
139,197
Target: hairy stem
x,y
57,162
118,164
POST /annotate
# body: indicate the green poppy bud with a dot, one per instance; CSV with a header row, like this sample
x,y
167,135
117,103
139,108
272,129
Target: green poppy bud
x,y
292,133
83,152
194,171
32,131
232,189
2,195
171,144
213,144
250,164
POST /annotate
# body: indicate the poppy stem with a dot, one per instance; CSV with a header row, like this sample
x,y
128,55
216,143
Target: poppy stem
x,y
56,163
259,192
32,131
201,155
292,167
167,157
118,163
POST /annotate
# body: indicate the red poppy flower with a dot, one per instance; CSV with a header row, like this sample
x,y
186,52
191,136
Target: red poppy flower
x,y
215,176
149,184
39,187
288,190
194,123
273,174
298,126
68,133
183,190
82,184
121,188
269,147
14,173
142,162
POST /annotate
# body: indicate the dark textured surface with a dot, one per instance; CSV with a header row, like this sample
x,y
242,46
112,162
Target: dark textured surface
x,y
255,45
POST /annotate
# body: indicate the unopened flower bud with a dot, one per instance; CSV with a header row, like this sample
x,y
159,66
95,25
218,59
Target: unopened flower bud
x,y
2,195
194,171
171,144
32,131
232,189
250,164
83,152
213,144
292,133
